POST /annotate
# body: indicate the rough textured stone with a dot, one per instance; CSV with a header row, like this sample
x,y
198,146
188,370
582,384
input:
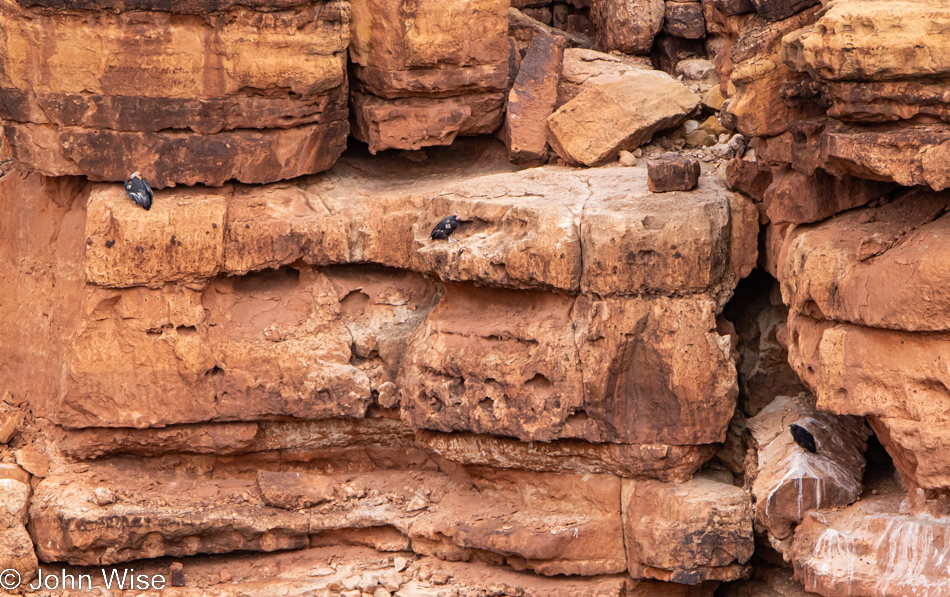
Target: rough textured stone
x,y
787,480
887,101
514,518
402,48
621,115
892,376
168,158
798,199
568,210
699,530
16,546
874,548
685,19
908,155
654,461
672,172
731,7
845,269
583,68
775,10
875,41
416,122
210,103
455,379
758,74
626,25
533,98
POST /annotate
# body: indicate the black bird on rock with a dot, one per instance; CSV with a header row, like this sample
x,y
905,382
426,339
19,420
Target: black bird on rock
x,y
803,437
139,190
445,227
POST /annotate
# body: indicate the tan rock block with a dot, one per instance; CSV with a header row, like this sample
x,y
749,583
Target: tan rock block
x,y
604,119
180,239
687,533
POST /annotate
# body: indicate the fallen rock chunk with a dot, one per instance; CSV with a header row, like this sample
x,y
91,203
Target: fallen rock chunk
x,y
685,19
10,421
624,114
662,524
673,172
532,99
628,26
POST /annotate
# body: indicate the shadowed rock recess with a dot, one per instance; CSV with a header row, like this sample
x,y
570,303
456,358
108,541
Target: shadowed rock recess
x,y
274,382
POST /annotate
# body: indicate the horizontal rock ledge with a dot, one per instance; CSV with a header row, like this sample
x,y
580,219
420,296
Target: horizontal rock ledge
x,y
522,230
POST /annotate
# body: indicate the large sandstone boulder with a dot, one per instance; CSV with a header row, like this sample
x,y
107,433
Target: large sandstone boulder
x,y
627,25
230,94
620,115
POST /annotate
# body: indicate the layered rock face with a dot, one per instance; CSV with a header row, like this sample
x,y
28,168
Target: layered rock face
x,y
290,366
427,71
194,92
850,180
687,338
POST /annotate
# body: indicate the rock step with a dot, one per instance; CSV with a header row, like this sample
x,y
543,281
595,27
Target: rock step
x,y
329,571
120,510
596,231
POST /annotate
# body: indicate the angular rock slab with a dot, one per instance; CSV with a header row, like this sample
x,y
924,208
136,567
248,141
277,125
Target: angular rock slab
x,y
788,481
873,548
170,158
653,461
687,533
604,119
532,99
908,155
412,123
540,367
430,48
798,199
